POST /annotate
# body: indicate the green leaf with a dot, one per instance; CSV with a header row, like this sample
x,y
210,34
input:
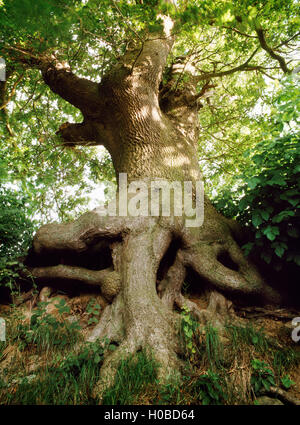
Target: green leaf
x,y
266,384
253,182
287,382
280,248
265,214
293,232
256,218
271,232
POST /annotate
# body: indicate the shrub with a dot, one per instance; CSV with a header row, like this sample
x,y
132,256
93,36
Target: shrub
x,y
16,231
268,196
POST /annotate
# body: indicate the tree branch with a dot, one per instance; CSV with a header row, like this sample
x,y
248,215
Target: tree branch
x,y
243,67
240,32
5,103
285,42
80,92
268,49
78,134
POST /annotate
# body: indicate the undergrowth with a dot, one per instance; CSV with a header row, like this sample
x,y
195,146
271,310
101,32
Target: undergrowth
x,y
134,377
233,367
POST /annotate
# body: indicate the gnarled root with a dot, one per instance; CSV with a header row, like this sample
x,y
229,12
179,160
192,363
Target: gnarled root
x,y
140,316
108,279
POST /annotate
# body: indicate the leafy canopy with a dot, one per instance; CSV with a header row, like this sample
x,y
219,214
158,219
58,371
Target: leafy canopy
x,y
242,47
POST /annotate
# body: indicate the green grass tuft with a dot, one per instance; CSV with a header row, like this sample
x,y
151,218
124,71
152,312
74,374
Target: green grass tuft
x,y
134,375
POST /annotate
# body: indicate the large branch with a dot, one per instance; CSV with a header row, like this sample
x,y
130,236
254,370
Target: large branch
x,y
80,92
268,49
145,59
78,134
243,67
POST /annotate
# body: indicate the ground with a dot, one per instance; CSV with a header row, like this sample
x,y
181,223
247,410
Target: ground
x,y
219,365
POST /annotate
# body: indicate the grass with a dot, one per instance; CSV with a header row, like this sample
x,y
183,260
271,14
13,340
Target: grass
x,y
44,332
134,377
213,347
284,359
248,336
66,381
231,368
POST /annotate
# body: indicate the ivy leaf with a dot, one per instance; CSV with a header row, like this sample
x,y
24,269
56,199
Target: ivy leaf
x,y
247,248
282,215
277,179
293,232
267,257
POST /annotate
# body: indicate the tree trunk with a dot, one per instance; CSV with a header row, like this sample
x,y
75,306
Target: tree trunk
x,y
151,131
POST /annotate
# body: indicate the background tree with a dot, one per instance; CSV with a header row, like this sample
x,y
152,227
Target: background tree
x,y
138,78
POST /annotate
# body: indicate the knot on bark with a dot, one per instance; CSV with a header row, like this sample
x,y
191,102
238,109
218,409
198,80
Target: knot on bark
x,y
111,285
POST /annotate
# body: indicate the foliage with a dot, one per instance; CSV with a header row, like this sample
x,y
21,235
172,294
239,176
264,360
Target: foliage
x,y
16,230
15,226
268,197
172,391
210,388
93,310
46,332
284,359
213,347
188,330
287,382
250,336
262,376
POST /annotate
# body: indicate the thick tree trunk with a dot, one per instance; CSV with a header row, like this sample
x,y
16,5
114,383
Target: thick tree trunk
x,y
150,134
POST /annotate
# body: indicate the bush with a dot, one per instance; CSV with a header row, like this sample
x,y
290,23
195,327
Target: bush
x,y
268,196
16,231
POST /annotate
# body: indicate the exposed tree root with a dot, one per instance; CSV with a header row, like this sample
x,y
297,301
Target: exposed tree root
x,y
108,279
21,299
140,316
111,325
282,395
283,315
